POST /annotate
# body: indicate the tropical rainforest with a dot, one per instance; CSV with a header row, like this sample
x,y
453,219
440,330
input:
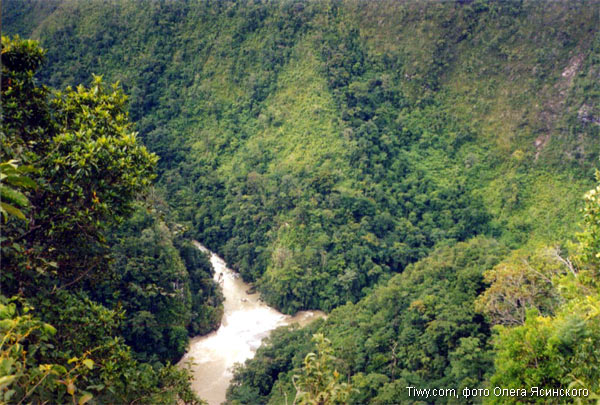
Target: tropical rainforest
x,y
424,172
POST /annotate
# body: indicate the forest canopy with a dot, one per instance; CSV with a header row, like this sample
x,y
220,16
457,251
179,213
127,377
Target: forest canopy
x,y
414,169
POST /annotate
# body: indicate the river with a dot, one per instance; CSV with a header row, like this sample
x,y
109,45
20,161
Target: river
x,y
246,322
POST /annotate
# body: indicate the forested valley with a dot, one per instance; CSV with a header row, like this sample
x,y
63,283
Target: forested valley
x,y
423,172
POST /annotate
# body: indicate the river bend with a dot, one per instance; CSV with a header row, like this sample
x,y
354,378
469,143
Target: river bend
x,y
246,322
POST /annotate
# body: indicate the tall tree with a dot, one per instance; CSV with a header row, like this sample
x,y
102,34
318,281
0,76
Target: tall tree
x,y
71,169
87,165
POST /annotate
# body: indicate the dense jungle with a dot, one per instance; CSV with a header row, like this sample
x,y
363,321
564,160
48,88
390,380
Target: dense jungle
x,y
424,172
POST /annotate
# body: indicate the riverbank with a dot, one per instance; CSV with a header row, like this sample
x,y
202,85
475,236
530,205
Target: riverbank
x,y
246,322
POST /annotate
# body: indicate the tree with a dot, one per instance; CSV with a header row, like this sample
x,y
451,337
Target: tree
x,y
522,281
320,382
71,169
559,350
151,284
86,164
589,247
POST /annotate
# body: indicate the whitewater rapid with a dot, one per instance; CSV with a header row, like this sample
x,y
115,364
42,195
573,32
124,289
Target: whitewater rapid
x,y
246,322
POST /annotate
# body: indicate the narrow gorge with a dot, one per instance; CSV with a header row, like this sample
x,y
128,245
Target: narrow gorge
x,y
247,320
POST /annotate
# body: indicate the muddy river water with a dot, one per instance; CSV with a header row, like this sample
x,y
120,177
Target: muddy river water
x,y
246,322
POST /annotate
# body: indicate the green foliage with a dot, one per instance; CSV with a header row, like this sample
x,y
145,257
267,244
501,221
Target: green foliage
x,y
590,238
81,170
319,382
11,176
523,281
152,286
163,284
79,361
206,306
95,148
282,352
21,376
322,147
550,352
88,169
559,350
281,167
419,329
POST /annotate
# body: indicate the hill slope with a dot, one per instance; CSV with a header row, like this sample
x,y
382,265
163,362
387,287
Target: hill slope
x,y
322,146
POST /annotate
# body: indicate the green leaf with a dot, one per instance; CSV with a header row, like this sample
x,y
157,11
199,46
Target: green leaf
x,y
10,166
84,398
13,196
71,388
8,394
89,363
59,369
46,327
6,380
7,208
20,181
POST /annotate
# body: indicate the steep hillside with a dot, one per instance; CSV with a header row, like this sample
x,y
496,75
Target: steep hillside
x,y
414,168
420,329
321,147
